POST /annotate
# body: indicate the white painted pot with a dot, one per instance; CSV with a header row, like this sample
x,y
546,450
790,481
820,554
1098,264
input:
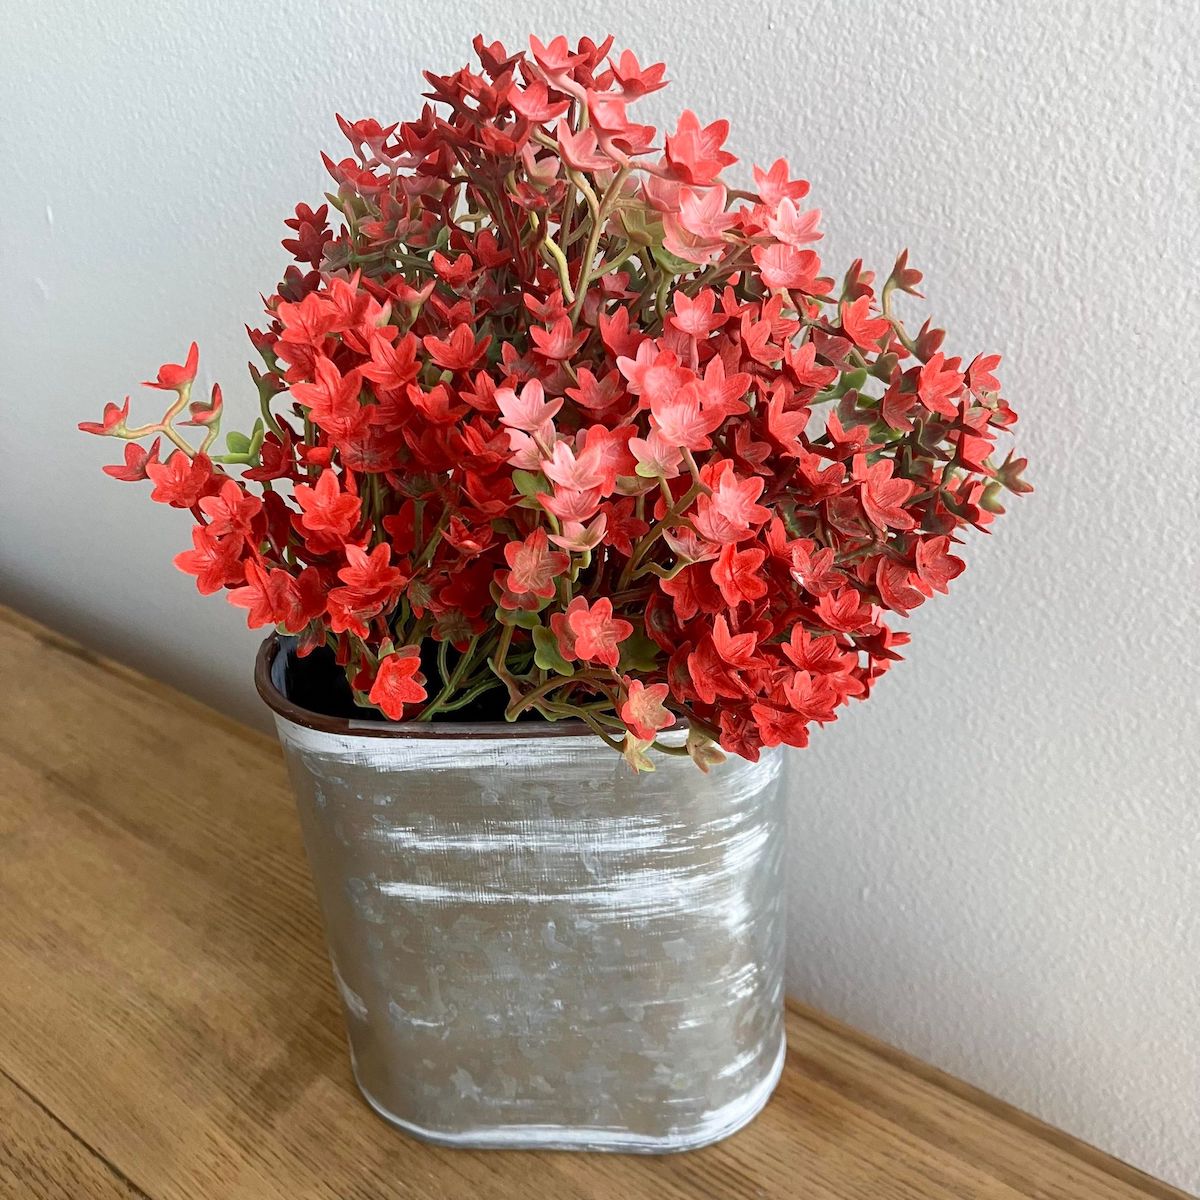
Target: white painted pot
x,y
536,947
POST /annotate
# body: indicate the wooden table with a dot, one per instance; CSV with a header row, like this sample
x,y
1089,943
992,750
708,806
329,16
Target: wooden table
x,y
168,1026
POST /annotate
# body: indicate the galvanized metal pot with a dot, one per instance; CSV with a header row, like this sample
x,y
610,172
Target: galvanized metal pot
x,y
536,947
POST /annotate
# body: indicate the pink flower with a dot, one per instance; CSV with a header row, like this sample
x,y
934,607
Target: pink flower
x,y
794,227
642,709
529,410
730,511
534,104
533,566
694,153
783,266
597,633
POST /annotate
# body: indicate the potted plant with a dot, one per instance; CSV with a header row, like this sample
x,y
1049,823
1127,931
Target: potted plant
x,y
577,490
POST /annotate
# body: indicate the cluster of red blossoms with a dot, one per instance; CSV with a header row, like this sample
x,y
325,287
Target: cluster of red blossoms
x,y
558,399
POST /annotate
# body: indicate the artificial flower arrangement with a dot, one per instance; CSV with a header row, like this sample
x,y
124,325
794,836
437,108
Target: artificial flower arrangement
x,y
557,416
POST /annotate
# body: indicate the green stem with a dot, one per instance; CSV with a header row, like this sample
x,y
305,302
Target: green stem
x,y
451,683
589,253
522,702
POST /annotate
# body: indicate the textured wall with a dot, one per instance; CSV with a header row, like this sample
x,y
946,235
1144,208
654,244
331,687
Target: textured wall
x,y
994,862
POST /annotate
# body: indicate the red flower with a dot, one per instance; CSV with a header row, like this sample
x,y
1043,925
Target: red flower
x,y
398,682
181,481
938,385
204,415
730,511
392,366
265,595
813,569
459,352
780,726
981,376
558,343
172,377
326,508
215,561
709,680
860,327
546,384
734,649
883,497
230,510
113,421
845,611
693,591
935,566
597,632
739,574
333,399
137,459
898,586
370,578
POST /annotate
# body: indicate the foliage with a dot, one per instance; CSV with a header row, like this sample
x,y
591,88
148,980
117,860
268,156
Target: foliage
x,y
562,402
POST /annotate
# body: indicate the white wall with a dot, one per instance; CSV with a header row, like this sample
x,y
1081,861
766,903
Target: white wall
x,y
995,861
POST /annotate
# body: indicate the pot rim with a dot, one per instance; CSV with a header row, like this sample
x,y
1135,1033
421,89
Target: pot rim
x,y
346,726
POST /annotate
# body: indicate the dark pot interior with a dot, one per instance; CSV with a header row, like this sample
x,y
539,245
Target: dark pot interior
x,y
317,684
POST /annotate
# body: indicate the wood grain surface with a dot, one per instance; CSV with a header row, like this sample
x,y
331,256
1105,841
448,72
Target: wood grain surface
x,y
169,1028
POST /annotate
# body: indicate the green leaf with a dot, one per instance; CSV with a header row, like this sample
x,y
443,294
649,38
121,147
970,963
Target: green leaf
x,y
530,483
669,263
519,617
639,653
638,227
238,443
546,653
851,380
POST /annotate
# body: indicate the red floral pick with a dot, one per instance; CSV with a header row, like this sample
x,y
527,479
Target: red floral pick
x,y
565,410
